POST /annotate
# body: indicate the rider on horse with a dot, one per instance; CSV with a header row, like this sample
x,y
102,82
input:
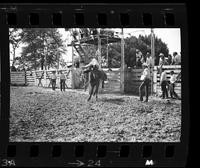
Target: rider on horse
x,y
93,63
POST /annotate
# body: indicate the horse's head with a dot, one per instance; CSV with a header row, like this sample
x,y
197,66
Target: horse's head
x,y
95,74
93,68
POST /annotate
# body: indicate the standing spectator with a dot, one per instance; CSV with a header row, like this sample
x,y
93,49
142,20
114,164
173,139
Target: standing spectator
x,y
62,81
53,80
169,60
173,79
164,84
145,82
177,59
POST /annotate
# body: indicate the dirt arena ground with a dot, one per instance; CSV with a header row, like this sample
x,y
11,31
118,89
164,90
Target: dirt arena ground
x,y
41,115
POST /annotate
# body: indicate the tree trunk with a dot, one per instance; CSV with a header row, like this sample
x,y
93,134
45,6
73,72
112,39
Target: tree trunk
x,y
42,63
13,55
35,63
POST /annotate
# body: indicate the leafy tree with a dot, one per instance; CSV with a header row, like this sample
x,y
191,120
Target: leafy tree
x,y
142,43
41,43
160,47
15,38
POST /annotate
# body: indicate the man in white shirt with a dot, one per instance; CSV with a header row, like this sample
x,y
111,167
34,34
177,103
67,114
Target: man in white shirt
x,y
149,60
145,82
53,80
138,59
62,81
173,79
164,84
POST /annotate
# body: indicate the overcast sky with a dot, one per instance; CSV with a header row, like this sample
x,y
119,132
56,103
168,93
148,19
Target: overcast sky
x,y
171,36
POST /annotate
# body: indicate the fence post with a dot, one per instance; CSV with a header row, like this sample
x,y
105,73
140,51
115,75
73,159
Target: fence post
x,y
35,79
122,63
25,77
154,79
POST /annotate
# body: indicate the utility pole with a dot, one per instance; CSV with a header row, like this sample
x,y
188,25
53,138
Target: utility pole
x,y
73,78
99,48
107,52
122,62
45,57
153,57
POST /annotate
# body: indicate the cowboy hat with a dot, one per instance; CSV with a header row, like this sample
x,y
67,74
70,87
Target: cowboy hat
x,y
145,64
161,54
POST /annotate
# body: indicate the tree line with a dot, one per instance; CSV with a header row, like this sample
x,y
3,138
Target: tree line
x,y
43,47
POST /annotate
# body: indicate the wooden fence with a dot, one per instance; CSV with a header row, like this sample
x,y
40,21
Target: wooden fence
x,y
168,69
30,78
132,80
131,83
113,81
18,78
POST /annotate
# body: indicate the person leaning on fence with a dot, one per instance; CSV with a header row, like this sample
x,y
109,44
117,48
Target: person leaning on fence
x,y
173,80
138,59
149,60
143,59
162,61
164,84
145,82
62,81
177,59
53,80
169,59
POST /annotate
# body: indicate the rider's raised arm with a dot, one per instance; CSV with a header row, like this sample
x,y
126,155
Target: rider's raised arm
x,y
86,66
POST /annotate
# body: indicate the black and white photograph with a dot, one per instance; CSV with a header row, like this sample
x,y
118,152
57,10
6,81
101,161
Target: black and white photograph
x,y
95,84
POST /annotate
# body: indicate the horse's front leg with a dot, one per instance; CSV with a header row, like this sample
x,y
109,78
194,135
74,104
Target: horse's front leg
x,y
89,97
102,83
86,85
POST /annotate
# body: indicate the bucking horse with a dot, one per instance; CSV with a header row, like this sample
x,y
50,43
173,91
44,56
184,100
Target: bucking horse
x,y
92,78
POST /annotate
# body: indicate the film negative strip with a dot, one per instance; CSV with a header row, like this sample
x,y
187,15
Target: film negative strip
x,y
72,83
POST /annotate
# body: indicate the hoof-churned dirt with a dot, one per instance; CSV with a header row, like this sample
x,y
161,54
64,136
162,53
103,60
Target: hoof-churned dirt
x,y
42,115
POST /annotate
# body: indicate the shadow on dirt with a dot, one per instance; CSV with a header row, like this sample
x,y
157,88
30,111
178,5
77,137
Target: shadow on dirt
x,y
117,101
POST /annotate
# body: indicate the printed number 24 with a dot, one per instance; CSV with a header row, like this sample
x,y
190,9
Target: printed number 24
x,y
92,163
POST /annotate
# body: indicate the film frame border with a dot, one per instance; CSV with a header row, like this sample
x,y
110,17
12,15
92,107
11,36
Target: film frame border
x,y
158,16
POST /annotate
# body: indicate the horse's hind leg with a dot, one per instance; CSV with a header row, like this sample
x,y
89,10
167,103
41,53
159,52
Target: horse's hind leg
x,y
91,88
96,91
